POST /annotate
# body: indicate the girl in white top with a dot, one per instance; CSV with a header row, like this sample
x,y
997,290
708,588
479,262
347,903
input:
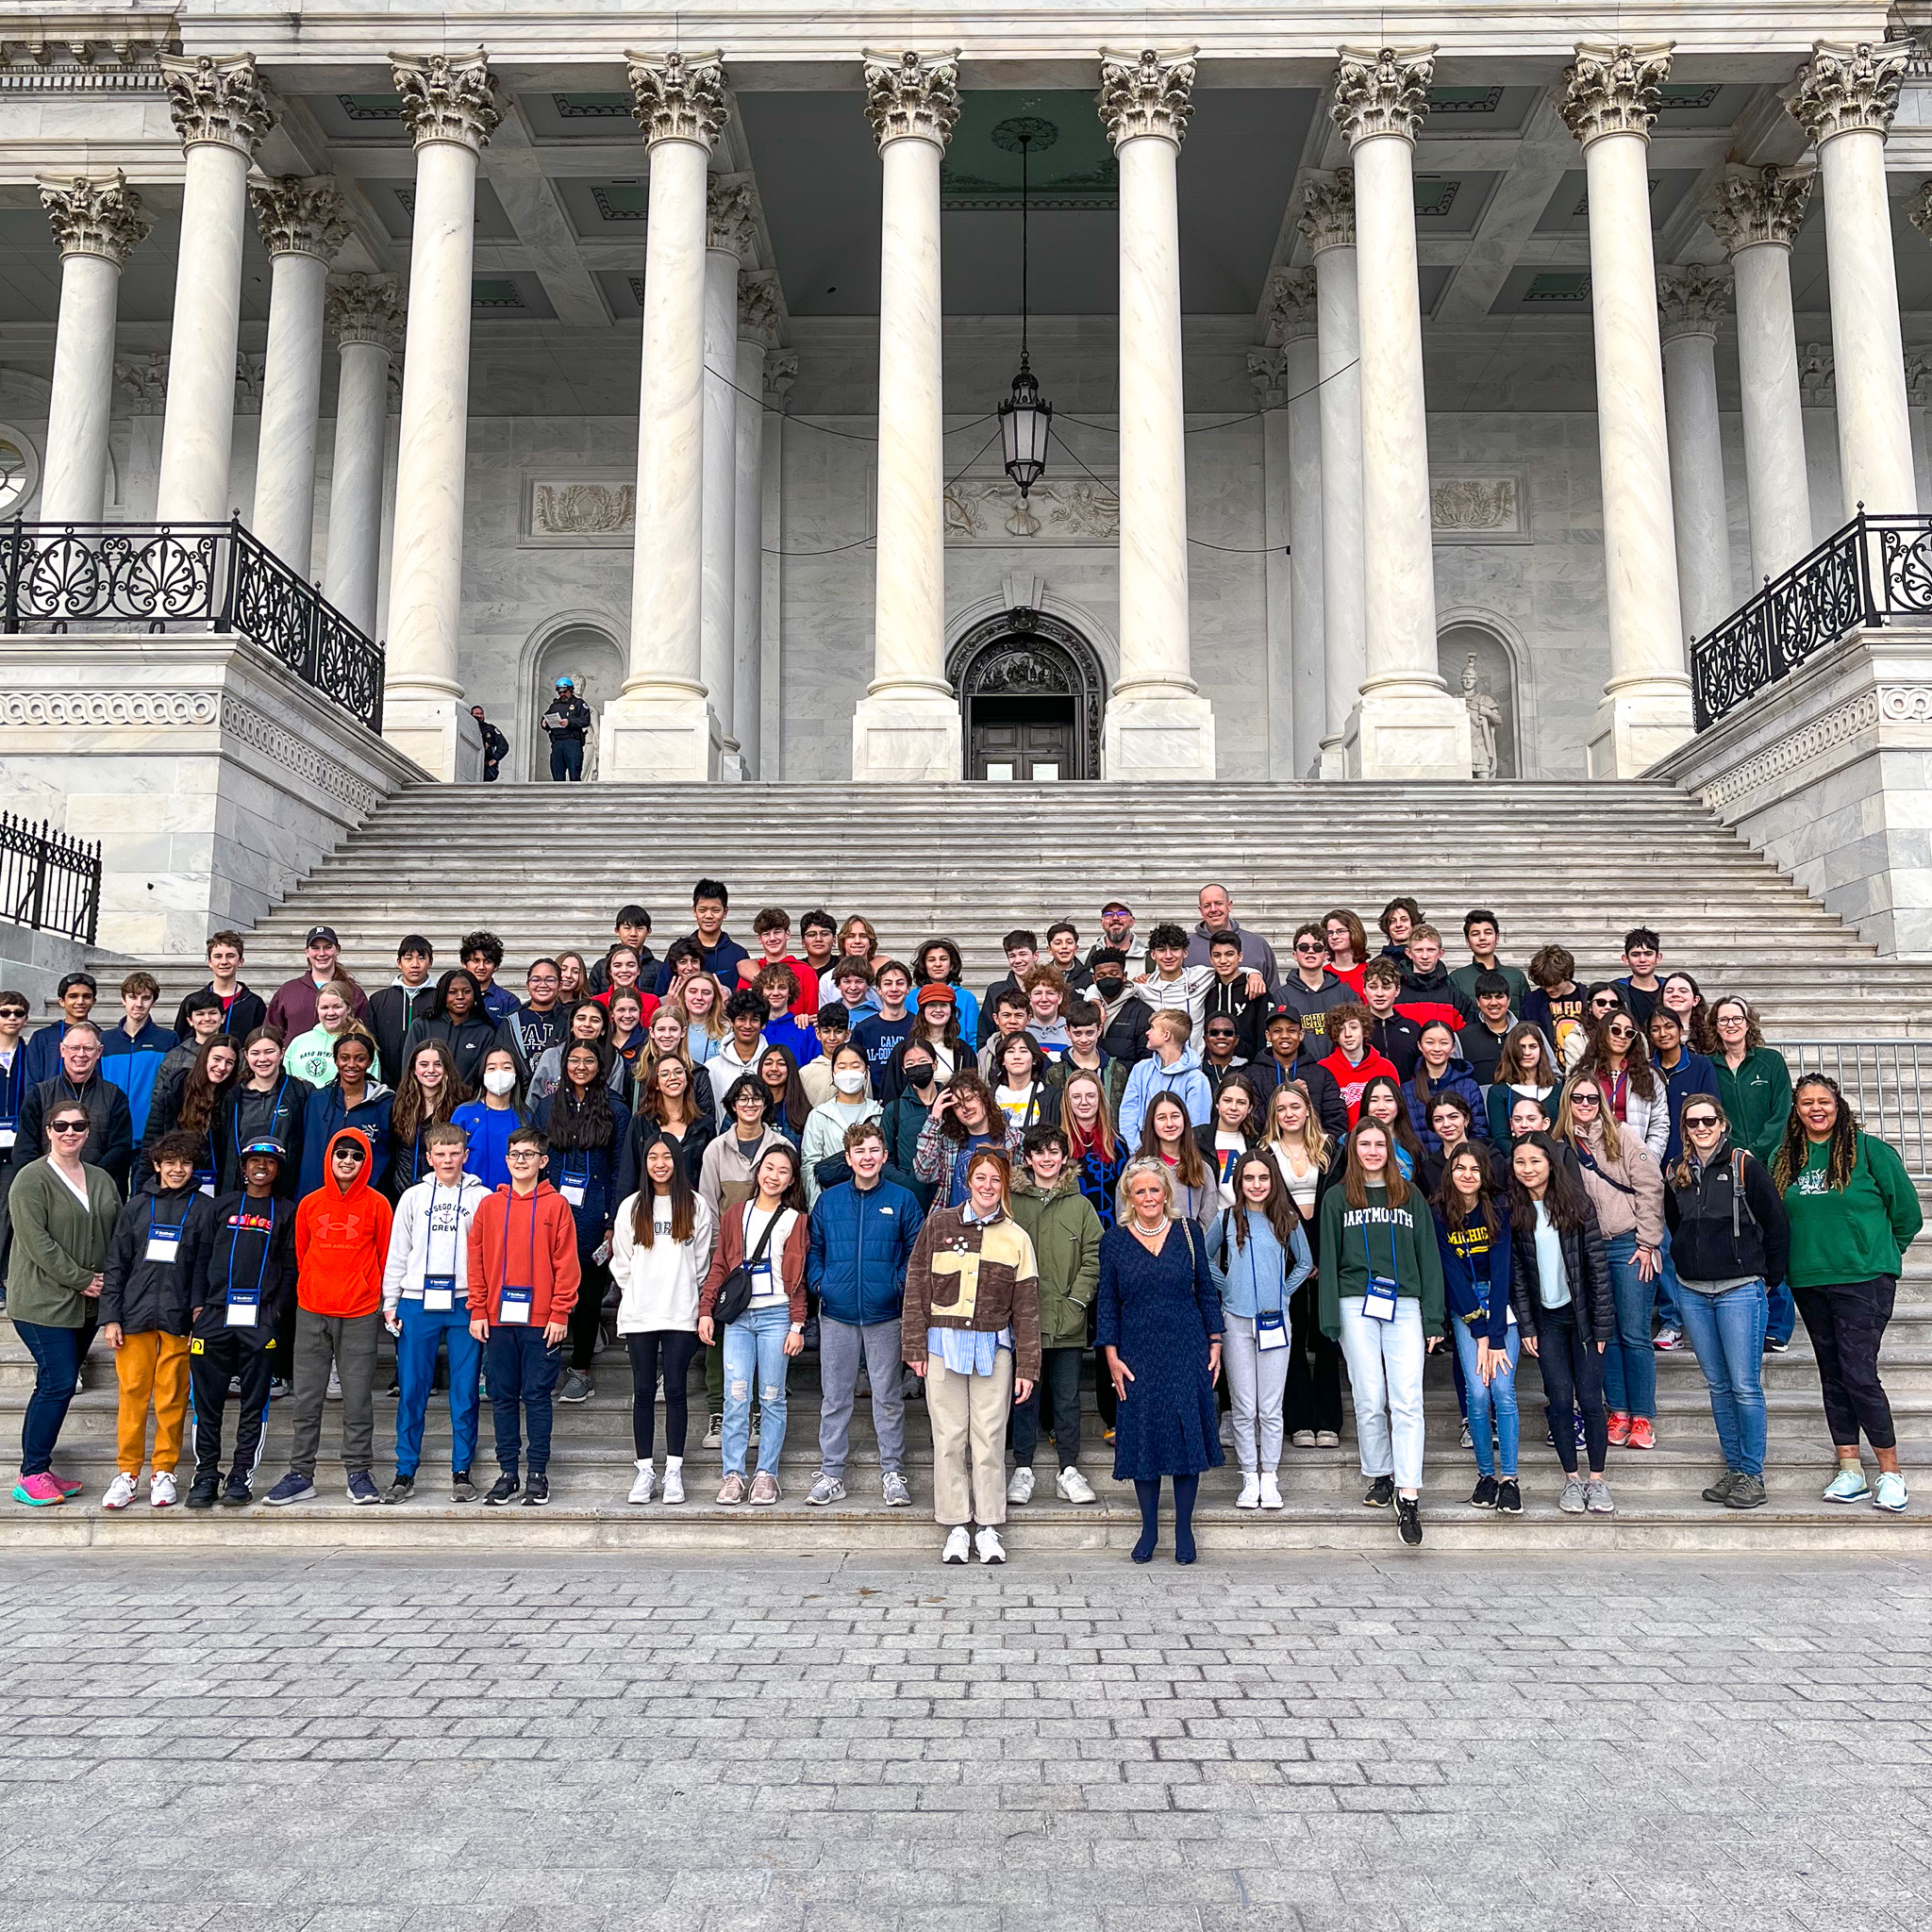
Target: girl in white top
x,y
850,1103
661,1248
311,1055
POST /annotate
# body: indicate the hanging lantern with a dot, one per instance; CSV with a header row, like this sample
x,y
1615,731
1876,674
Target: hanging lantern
x,y
1026,420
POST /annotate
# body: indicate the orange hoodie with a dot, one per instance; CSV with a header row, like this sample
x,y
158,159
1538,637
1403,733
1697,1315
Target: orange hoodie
x,y
341,1238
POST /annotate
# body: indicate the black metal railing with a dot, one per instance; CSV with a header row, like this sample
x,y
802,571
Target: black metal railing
x,y
49,882
1875,569
58,576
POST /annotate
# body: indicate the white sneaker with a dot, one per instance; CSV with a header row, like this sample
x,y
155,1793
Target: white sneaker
x,y
647,1485
1020,1490
120,1493
79,1380
1250,1497
334,1387
988,1545
160,1491
1073,1487
1271,1490
958,1544
674,1482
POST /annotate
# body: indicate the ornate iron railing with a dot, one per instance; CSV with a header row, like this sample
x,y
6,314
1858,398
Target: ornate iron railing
x,y
1875,569
49,882
58,576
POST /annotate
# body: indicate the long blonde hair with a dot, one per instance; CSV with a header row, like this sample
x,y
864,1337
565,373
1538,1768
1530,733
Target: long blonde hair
x,y
712,1022
1571,1134
1313,1140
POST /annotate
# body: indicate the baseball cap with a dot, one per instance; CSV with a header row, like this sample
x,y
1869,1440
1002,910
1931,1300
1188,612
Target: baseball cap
x,y
1281,1010
322,932
1116,906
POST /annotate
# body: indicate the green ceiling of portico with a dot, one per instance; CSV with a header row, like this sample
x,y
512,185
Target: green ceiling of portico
x,y
1069,163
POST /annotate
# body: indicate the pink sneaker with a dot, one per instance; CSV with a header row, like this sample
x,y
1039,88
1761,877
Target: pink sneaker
x,y
38,1491
66,1484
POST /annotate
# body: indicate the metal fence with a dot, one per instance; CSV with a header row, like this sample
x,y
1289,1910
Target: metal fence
x,y
55,576
1884,1080
49,882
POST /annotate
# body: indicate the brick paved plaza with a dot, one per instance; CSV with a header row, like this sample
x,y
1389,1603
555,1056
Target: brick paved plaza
x,y
354,1745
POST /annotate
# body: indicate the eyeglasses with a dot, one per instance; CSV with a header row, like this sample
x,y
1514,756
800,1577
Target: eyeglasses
x,y
69,1127
522,1154
1697,1123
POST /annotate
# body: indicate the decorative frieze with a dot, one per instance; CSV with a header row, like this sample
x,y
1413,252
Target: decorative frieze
x,y
104,707
987,509
1614,89
298,216
760,306
217,99
1692,301
731,215
580,512
1752,206
1479,509
94,215
1848,88
447,97
1327,216
679,97
911,97
367,308
1382,91
1288,308
1149,95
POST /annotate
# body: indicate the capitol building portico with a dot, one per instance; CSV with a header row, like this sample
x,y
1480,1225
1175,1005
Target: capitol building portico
x,y
1418,393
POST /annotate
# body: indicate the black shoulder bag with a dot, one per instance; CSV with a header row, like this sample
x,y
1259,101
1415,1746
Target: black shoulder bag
x,y
734,1291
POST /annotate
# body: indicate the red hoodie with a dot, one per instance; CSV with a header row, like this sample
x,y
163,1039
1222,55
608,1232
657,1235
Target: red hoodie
x,y
341,1238
1352,1079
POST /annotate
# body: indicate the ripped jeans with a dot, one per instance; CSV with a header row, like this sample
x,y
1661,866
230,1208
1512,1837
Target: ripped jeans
x,y
755,1351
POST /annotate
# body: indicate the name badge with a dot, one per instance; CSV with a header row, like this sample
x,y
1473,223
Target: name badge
x,y
164,1244
9,1134
1378,1303
439,1293
243,1304
1271,1331
204,1180
573,1191
514,1308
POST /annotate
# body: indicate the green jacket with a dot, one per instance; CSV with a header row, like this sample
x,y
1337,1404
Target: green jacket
x,y
1352,1238
1757,1099
1065,1233
59,1245
1856,1235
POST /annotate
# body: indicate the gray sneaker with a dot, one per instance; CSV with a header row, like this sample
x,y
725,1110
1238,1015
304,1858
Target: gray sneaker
x,y
1571,1501
825,1488
898,1495
1597,1498
576,1388
1719,1492
1747,1492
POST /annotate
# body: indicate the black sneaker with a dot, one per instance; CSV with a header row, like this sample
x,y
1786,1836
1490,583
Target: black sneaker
x,y
1773,1347
205,1492
1484,1496
1509,1497
1719,1492
1381,1493
1409,1519
461,1488
536,1491
238,1492
505,1489
401,1490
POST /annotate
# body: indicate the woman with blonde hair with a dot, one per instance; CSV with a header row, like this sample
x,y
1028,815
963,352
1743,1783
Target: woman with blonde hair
x,y
1308,1162
702,1010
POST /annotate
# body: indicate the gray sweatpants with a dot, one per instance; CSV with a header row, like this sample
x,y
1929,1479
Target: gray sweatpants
x,y
348,1341
840,1344
1256,1381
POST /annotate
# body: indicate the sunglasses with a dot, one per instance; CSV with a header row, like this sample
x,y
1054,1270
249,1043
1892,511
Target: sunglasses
x,y
12,1012
69,1127
1309,947
1621,1030
1584,1100
1694,1122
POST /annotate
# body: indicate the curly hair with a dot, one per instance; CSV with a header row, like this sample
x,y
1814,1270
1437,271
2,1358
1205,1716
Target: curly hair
x,y
1795,1150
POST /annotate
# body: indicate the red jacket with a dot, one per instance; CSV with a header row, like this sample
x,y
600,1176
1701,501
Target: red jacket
x,y
341,1238
515,1237
1351,1080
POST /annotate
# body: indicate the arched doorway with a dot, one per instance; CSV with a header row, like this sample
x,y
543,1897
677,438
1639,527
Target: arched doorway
x,y
591,658
1478,669
1032,694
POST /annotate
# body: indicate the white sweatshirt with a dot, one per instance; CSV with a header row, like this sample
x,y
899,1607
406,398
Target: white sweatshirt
x,y
419,1236
660,1283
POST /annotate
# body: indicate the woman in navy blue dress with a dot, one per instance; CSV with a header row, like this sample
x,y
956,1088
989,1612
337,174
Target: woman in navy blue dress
x,y
1159,1331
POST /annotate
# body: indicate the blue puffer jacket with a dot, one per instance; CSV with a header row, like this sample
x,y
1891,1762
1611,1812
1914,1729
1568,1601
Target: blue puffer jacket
x,y
324,1116
860,1244
1458,1078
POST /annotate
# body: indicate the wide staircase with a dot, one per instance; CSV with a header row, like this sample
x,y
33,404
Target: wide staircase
x,y
1578,864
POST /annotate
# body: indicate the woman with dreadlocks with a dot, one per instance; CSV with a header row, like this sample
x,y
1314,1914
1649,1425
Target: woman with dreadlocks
x,y
1853,1213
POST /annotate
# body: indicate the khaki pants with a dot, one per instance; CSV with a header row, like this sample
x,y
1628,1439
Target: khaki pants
x,y
968,1415
152,1367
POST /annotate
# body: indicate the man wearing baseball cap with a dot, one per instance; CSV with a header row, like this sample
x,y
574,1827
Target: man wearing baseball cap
x,y
292,1009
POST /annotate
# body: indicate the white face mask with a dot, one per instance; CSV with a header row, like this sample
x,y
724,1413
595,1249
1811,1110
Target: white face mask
x,y
849,1080
500,1079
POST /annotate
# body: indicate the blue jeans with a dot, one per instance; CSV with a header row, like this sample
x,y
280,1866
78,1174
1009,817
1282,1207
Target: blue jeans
x,y
1666,1286
1495,1399
56,1362
523,1371
1630,1362
416,1372
1727,1332
755,1350
1783,1319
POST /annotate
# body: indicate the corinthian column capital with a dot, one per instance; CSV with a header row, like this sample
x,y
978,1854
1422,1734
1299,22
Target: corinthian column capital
x,y
299,217
1382,91
94,215
761,307
1288,308
447,97
217,98
1614,90
731,215
1845,89
1327,216
367,308
1692,301
679,97
908,97
1147,95
1754,206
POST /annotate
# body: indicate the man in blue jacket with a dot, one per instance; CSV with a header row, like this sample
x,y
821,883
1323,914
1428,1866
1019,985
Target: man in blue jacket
x,y
862,1233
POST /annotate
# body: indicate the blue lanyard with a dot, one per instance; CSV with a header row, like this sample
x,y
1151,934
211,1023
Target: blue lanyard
x,y
1368,1262
455,1232
267,1243
177,1226
529,1280
11,1079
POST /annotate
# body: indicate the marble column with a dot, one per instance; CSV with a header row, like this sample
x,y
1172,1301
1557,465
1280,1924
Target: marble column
x,y
1610,99
1405,723
221,113
97,222
660,726
450,107
1844,100
1691,301
1756,214
367,314
907,726
730,239
301,227
1327,225
1292,310
760,303
1157,723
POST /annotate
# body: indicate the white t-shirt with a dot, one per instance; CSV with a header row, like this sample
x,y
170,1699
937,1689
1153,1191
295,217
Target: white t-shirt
x,y
1015,1102
767,1280
1228,1148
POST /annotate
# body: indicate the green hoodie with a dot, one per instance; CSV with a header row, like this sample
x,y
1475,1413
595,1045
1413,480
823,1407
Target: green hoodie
x,y
1856,1235
1065,1233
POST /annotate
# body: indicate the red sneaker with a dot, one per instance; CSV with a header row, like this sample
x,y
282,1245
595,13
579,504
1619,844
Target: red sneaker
x,y
1643,1434
1620,1429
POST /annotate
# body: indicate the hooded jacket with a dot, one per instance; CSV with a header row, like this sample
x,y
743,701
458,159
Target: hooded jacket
x,y
134,1065
239,1017
324,1116
860,1242
592,1170
1398,1040
1351,1077
393,1012
468,1039
1313,1003
251,1245
1060,1223
432,1229
341,1238
514,1235
247,1114
143,1294
1258,956
1433,995
1149,1080
293,1008
1693,1073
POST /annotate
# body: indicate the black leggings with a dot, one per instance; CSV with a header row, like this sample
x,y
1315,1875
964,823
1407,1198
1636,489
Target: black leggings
x,y
1314,1395
1573,1368
671,1349
589,1312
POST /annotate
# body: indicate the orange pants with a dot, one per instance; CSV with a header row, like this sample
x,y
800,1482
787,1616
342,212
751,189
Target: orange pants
x,y
152,1367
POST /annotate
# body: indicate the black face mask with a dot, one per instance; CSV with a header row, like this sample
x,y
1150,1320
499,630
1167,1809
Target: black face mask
x,y
917,1072
1108,989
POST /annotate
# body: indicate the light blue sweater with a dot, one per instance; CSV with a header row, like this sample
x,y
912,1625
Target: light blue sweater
x,y
1258,1278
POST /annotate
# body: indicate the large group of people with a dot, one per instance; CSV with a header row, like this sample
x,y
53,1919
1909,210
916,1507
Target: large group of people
x,y
1222,1178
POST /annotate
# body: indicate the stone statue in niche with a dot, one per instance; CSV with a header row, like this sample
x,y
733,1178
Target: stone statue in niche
x,y
1485,716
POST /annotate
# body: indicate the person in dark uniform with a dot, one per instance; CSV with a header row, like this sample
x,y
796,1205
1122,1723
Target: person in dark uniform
x,y
496,745
568,722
